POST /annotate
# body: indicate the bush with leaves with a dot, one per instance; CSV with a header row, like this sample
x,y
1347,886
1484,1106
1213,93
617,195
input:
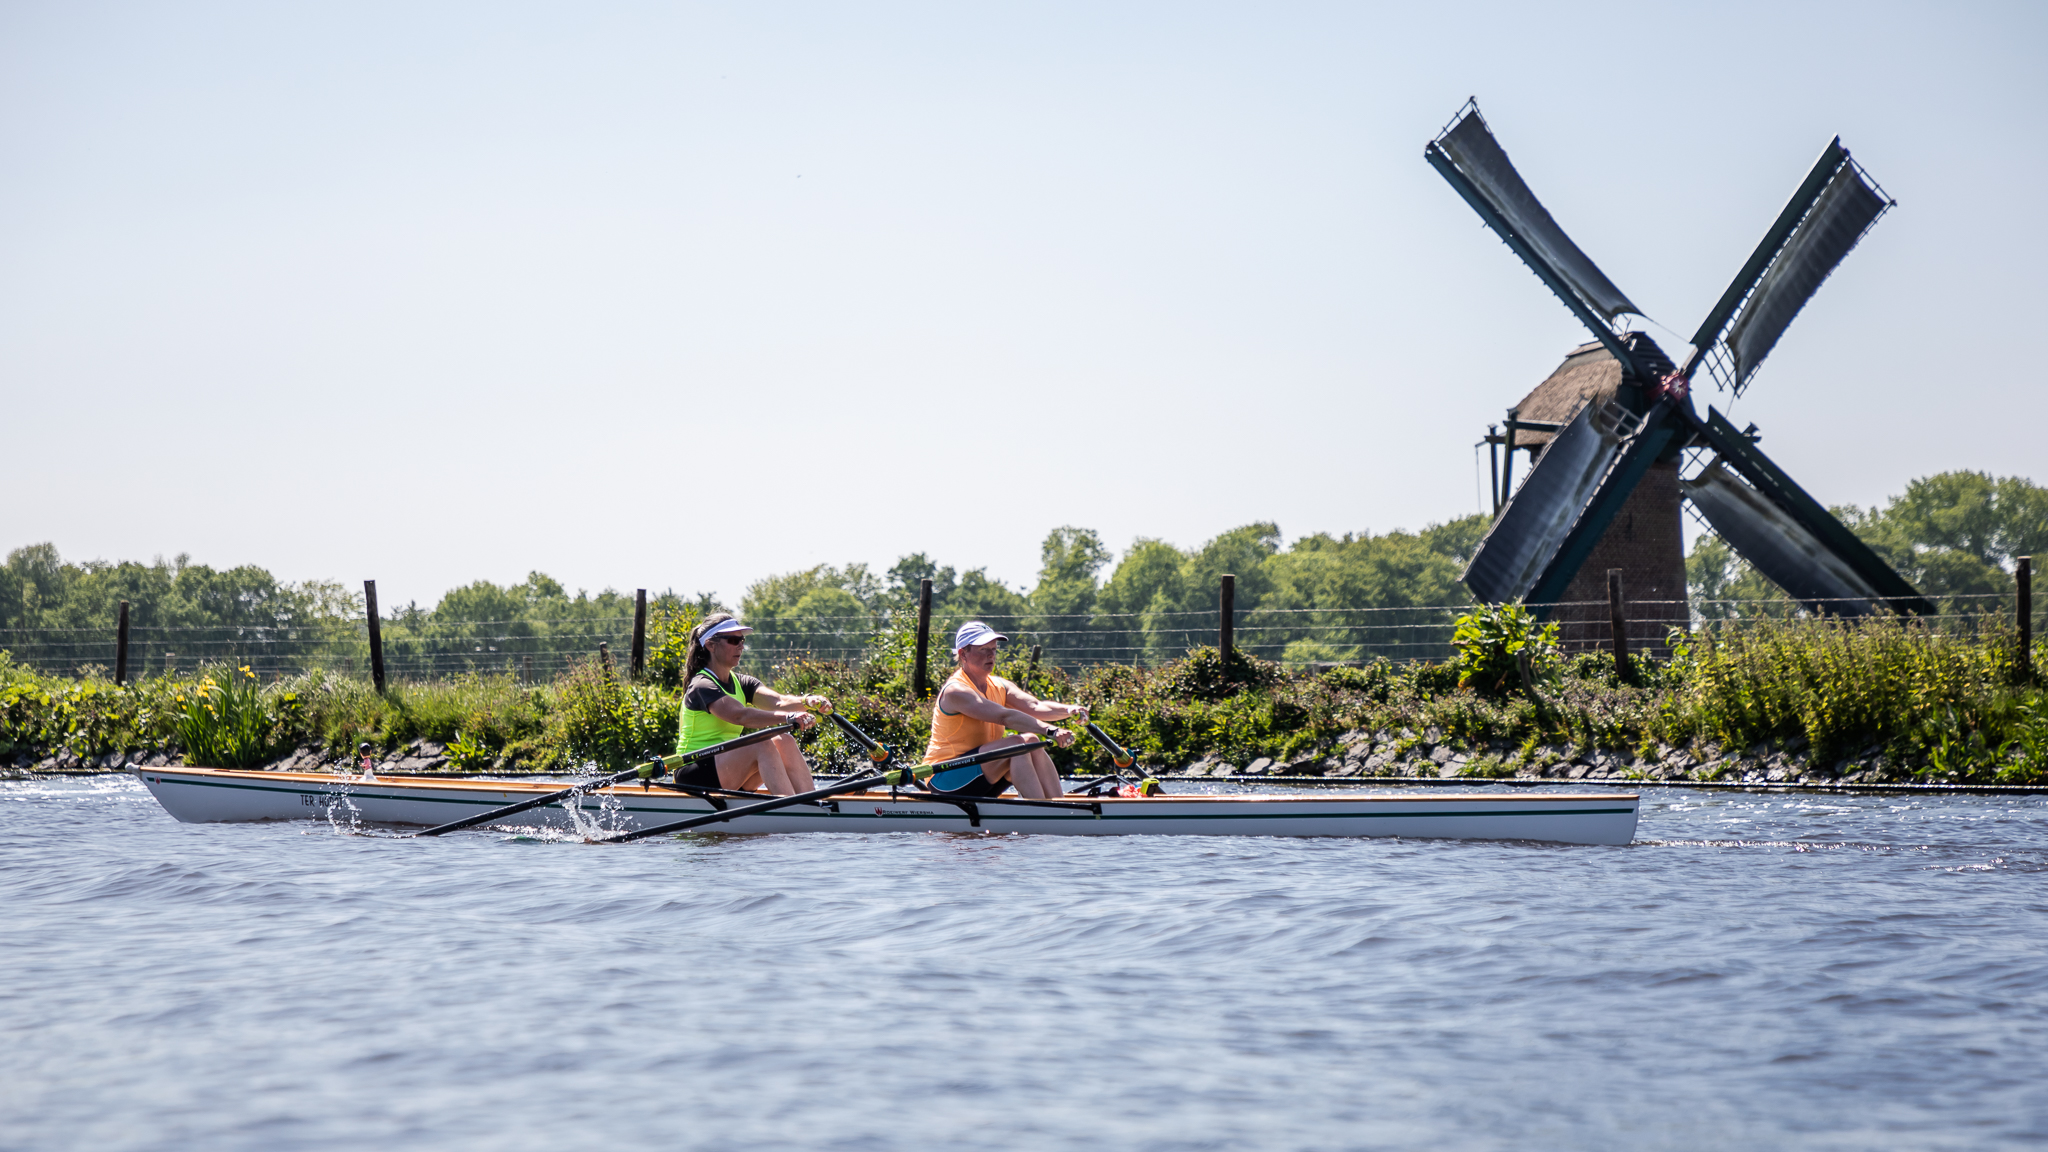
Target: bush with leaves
x,y
1503,650
225,722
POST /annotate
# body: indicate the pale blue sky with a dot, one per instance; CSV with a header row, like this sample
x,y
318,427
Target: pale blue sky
x,y
670,295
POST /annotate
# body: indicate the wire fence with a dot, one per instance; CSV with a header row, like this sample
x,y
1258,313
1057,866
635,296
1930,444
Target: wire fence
x,y
540,650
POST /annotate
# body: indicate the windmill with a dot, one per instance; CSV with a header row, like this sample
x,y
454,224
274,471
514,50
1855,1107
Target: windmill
x,y
1617,417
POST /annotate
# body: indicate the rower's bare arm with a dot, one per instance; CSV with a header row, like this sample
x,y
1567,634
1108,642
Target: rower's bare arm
x,y
733,712
778,700
1045,710
979,707
973,704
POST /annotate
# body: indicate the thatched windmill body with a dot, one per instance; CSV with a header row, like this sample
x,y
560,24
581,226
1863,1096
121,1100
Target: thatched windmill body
x,y
1610,428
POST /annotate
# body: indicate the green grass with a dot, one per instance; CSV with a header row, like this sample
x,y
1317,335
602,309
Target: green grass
x,y
1914,703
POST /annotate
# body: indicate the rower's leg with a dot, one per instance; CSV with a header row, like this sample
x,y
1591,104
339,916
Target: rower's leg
x,y
997,771
1035,777
739,769
784,768
1048,774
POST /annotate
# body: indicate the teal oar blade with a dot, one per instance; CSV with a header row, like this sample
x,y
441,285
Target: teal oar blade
x,y
642,771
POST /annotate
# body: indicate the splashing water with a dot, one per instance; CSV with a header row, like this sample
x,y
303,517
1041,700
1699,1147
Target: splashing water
x,y
339,801
608,820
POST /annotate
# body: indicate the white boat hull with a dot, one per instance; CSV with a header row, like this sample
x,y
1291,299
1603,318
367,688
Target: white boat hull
x,y
209,795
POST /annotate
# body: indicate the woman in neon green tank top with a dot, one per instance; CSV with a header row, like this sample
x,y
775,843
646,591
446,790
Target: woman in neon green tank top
x,y
719,703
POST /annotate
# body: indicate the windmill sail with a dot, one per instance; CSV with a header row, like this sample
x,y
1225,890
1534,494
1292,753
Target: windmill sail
x,y
1791,539
1471,161
1834,206
1523,542
1780,546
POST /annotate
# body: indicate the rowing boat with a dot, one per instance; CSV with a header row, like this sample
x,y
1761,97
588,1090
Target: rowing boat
x,y
208,795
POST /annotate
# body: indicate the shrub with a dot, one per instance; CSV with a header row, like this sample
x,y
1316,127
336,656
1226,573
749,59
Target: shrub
x,y
1502,649
225,722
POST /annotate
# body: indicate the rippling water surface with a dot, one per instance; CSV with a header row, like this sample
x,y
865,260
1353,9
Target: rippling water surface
x,y
1756,971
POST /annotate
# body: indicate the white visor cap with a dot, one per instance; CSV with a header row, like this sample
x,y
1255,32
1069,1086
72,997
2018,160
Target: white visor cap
x,y
720,629
974,632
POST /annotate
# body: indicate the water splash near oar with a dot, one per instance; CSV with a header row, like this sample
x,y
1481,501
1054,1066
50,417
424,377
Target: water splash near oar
x,y
645,771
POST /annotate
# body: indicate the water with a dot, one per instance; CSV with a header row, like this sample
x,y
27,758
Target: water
x,y
1757,971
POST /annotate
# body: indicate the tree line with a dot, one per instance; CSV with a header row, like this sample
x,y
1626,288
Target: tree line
x,y
1319,598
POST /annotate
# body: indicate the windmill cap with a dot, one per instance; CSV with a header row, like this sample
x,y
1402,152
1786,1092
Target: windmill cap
x,y
974,632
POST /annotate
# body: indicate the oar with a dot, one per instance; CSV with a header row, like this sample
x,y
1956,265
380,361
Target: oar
x,y
642,771
957,772
879,752
855,784
1121,758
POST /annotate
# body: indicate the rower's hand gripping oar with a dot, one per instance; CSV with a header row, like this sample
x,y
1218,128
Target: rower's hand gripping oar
x,y
645,771
933,773
1122,759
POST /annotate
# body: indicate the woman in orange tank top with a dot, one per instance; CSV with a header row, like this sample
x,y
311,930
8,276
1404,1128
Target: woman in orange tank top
x,y
976,707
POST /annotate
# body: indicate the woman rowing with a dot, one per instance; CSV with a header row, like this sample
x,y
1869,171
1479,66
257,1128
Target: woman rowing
x,y
720,703
976,706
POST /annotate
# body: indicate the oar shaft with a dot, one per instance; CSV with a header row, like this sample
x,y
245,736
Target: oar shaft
x,y
1117,754
925,771
854,785
876,750
605,781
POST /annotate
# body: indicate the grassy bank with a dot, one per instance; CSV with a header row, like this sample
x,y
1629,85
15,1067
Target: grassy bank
x,y
1871,701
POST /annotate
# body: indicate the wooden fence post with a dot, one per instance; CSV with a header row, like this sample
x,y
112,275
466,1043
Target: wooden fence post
x,y
924,637
639,632
121,647
1617,622
2023,583
527,663
604,657
1226,611
1033,665
376,635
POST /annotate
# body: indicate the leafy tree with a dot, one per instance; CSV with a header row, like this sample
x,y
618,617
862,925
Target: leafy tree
x,y
1149,572
899,591
1457,539
820,609
1070,558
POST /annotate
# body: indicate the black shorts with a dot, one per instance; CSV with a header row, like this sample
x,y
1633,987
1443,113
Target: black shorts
x,y
699,774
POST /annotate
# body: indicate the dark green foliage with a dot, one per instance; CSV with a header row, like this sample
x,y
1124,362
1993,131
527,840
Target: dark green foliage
x,y
226,720
597,719
1877,693
668,642
1203,675
1503,649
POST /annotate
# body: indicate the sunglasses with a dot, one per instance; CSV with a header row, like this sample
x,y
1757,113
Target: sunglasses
x,y
735,641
